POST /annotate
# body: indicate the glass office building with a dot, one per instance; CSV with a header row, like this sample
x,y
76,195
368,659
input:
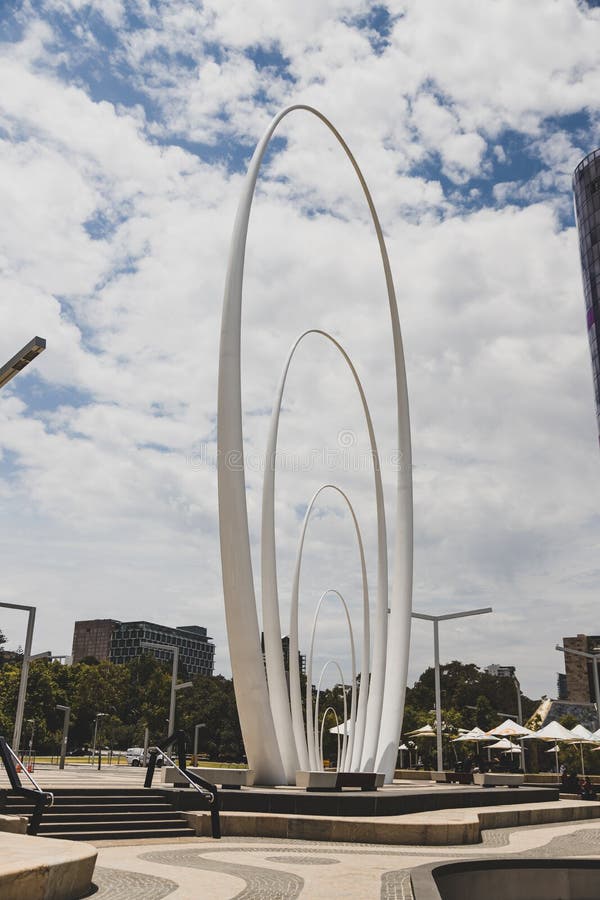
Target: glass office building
x,y
586,188
120,642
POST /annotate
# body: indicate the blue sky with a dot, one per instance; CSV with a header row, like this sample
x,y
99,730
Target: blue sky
x,y
123,139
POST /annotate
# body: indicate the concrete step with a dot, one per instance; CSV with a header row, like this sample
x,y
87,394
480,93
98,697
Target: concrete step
x,y
94,836
62,817
113,825
102,815
99,799
74,809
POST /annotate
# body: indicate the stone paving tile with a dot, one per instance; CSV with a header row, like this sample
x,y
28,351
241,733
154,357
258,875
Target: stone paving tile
x,y
117,884
396,885
274,869
261,883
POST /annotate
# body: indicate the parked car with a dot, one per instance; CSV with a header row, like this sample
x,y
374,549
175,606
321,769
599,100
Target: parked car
x,y
135,757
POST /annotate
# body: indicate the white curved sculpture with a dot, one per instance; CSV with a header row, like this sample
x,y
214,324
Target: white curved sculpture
x,y
295,693
312,732
341,761
292,738
330,709
266,756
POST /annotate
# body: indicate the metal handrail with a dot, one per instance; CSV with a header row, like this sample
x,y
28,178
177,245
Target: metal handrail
x,y
41,799
23,767
208,794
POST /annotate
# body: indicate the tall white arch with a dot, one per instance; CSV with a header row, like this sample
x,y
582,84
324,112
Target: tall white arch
x,y
341,762
311,729
295,690
291,729
330,709
256,719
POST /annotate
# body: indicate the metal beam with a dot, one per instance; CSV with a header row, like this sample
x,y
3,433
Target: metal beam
x,y
21,359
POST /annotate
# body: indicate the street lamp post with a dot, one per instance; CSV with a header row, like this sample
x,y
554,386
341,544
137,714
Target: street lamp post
x,y
18,362
594,657
520,721
32,723
171,648
16,740
65,735
98,716
436,656
196,730
21,359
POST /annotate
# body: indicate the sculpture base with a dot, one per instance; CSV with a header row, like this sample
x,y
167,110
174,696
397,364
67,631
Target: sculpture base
x,y
390,800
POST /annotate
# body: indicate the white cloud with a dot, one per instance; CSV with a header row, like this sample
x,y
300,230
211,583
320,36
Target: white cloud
x,y
113,245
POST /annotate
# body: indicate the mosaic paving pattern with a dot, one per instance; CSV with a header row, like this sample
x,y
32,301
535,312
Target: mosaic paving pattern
x,y
496,837
116,884
396,885
267,884
261,884
584,842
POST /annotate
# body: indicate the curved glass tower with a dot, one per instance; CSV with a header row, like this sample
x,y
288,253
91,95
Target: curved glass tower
x,y
586,187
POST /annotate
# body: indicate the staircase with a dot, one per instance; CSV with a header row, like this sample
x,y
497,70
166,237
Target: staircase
x,y
106,814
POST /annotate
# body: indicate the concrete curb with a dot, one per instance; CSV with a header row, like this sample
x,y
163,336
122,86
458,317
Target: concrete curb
x,y
14,824
33,868
442,828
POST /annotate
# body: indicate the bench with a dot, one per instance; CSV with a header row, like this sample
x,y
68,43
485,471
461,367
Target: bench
x,y
497,779
337,781
452,777
232,779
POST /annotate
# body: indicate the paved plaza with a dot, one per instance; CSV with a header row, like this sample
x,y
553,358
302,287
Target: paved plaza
x,y
264,869
253,868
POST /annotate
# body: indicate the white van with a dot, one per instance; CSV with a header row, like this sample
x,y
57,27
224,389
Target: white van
x,y
135,757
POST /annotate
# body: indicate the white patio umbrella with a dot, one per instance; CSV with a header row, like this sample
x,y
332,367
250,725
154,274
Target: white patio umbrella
x,y
342,728
554,731
582,736
580,731
509,728
475,735
402,748
426,731
505,745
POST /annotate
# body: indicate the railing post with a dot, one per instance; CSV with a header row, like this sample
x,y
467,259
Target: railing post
x,y
215,818
181,749
151,767
9,765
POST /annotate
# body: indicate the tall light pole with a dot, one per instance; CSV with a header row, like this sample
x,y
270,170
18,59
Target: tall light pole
x,y
32,723
16,740
8,371
196,730
98,716
65,734
436,657
171,648
594,658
